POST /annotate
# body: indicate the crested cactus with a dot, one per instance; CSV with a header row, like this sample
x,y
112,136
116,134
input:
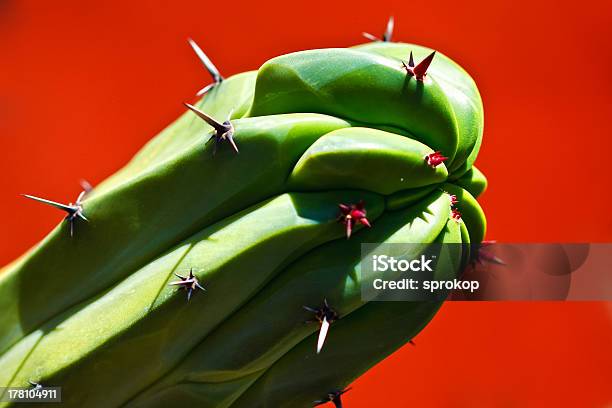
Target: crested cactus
x,y
227,274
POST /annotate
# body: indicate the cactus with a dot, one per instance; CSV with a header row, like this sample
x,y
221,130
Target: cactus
x,y
228,275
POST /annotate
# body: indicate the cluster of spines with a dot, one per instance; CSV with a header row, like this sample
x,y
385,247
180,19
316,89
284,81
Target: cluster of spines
x,y
223,132
189,283
73,211
455,213
418,71
351,215
325,316
435,159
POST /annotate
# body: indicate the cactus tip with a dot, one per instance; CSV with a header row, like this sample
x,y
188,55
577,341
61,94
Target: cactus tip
x,y
435,159
352,214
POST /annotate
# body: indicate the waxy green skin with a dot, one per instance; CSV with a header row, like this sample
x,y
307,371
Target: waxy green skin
x,y
315,129
278,308
150,314
473,181
282,386
359,86
182,195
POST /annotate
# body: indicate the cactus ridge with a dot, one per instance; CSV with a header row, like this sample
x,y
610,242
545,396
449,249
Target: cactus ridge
x,y
338,147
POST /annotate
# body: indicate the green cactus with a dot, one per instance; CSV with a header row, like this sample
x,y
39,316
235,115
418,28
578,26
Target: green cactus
x,y
186,278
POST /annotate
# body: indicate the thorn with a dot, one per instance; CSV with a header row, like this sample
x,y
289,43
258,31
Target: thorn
x,y
386,37
311,309
453,199
325,315
365,222
370,37
188,283
412,343
205,90
208,64
210,67
419,71
334,396
70,209
212,122
322,334
229,115
435,159
81,195
351,214
230,139
73,211
223,131
389,31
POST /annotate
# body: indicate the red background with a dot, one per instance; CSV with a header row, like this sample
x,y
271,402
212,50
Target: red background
x,y
84,84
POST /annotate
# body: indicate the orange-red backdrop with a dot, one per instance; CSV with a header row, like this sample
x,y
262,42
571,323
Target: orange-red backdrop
x,y
84,84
